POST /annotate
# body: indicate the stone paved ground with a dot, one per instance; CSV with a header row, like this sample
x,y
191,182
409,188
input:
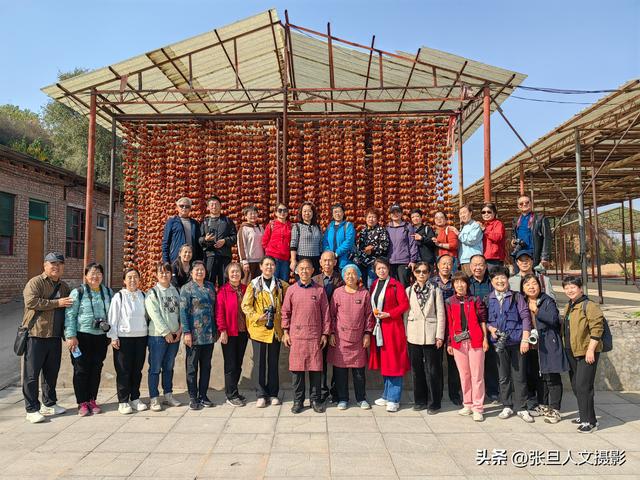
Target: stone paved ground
x,y
223,442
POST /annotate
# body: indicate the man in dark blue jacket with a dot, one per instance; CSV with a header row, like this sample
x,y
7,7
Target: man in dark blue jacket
x,y
179,230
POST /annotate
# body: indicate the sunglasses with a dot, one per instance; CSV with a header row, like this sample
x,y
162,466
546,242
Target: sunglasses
x,y
421,272
283,210
486,212
184,206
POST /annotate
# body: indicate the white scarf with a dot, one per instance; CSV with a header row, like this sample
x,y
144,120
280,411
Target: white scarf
x,y
377,330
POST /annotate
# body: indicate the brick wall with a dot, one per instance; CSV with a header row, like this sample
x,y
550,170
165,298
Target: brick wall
x,y
27,181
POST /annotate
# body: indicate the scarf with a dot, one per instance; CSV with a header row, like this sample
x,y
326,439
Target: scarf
x,y
377,330
422,293
259,285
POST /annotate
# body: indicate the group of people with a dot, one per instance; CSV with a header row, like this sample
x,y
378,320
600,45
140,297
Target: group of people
x,y
392,299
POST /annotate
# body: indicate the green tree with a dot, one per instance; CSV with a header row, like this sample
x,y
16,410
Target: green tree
x,y
21,130
69,132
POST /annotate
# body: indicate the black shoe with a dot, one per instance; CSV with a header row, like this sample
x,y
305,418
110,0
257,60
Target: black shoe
x,y
587,428
242,397
235,402
195,405
576,421
318,407
419,406
432,411
297,407
205,402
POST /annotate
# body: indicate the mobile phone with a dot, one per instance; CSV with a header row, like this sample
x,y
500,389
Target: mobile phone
x,y
76,352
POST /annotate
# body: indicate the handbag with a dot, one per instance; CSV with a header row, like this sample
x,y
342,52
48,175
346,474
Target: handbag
x,y
20,343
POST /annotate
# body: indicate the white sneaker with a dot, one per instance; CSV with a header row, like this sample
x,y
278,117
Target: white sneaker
x,y
364,405
35,417
526,416
155,404
478,417
393,406
505,413
54,409
261,403
381,402
170,400
275,401
342,405
138,405
124,408
464,411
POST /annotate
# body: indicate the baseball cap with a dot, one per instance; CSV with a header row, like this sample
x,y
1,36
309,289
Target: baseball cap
x,y
53,257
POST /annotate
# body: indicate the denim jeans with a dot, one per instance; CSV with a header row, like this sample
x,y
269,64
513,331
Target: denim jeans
x,y
162,356
282,269
392,389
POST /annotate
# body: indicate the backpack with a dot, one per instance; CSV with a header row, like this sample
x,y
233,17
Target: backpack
x,y
81,288
607,337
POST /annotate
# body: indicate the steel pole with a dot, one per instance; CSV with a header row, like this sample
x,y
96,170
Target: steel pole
x,y
486,114
592,257
624,245
581,230
460,163
633,243
91,154
556,253
521,179
112,182
285,126
596,226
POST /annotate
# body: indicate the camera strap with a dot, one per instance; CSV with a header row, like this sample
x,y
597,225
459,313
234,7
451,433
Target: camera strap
x,y
464,324
104,305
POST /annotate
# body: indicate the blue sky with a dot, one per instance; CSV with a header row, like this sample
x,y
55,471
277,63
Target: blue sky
x,y
571,44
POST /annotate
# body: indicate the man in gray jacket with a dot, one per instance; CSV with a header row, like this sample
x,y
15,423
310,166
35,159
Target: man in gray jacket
x,y
45,298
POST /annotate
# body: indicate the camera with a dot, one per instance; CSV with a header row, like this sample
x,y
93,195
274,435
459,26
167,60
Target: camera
x,y
501,342
520,244
461,336
533,337
270,312
101,324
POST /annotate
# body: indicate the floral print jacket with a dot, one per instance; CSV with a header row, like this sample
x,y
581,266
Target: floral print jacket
x,y
197,312
376,236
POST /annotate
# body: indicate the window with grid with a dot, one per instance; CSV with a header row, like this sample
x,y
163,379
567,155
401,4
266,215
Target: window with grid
x,y
75,232
7,202
102,222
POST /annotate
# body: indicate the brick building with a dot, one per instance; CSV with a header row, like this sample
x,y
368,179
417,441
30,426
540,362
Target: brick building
x,y
42,209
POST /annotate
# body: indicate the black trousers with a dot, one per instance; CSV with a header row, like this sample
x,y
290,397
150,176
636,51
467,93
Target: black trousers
x,y
198,359
298,383
87,368
583,377
453,377
233,353
512,370
535,384
491,383
552,390
328,387
215,269
128,361
401,273
341,378
42,356
266,355
426,369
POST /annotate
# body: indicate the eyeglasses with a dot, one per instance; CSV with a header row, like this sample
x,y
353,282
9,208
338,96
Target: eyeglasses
x,y
421,272
486,212
184,206
523,203
283,210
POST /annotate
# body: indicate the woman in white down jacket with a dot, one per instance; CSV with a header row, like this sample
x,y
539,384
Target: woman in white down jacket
x,y
128,336
425,324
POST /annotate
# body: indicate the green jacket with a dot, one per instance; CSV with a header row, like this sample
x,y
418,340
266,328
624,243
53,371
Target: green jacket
x,y
79,316
583,328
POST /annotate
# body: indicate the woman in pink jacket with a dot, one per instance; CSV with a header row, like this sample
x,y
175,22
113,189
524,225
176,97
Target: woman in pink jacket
x,y
277,240
351,325
232,326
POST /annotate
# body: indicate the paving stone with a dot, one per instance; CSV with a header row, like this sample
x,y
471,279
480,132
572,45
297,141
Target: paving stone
x,y
302,424
198,442
131,442
104,463
402,425
234,465
196,424
171,465
424,463
344,464
300,443
69,441
356,442
412,442
49,464
140,424
354,425
250,425
244,443
298,464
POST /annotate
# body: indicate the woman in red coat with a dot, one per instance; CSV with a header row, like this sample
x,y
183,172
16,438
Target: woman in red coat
x,y
493,240
232,326
389,343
